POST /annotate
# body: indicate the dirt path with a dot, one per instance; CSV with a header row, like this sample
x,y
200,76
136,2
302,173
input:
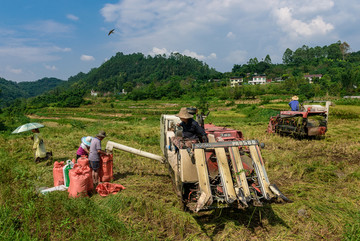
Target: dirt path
x,y
58,118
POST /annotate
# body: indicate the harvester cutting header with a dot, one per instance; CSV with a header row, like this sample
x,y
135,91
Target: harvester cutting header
x,y
225,171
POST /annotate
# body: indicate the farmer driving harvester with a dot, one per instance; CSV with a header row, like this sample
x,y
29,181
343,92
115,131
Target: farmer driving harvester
x,y
191,129
191,132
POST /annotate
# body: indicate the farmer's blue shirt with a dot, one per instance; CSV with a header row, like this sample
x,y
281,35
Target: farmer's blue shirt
x,y
294,105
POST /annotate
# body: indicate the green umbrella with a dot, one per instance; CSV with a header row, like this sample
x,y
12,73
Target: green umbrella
x,y
27,127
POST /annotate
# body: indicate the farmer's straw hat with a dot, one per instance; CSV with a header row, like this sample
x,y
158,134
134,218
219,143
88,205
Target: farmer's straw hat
x,y
294,97
101,134
86,140
183,113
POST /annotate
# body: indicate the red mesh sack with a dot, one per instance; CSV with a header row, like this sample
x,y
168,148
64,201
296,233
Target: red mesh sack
x,y
83,161
106,168
58,173
78,182
107,188
88,172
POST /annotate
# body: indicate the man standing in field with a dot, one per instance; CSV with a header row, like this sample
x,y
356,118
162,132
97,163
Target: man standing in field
x,y
94,156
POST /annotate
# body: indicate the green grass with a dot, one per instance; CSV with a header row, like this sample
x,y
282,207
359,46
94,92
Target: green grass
x,y
320,176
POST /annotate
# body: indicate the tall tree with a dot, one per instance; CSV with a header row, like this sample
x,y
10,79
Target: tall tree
x,y
344,48
333,51
253,61
267,59
288,56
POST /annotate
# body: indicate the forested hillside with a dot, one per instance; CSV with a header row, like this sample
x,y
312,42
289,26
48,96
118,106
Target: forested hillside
x,y
339,67
10,90
136,70
38,87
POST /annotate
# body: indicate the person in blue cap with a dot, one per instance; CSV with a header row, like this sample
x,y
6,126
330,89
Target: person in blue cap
x,y
84,147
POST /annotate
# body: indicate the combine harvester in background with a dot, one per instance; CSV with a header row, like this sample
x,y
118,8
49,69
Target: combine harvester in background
x,y
228,171
310,122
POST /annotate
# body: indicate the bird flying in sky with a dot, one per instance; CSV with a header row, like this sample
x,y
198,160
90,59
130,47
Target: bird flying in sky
x,y
111,31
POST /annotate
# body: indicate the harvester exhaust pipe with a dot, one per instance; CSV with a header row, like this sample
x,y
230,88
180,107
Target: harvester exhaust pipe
x,y
110,145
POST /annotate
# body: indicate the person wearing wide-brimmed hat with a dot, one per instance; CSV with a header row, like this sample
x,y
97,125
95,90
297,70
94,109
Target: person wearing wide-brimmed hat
x,y
191,129
294,103
94,156
84,147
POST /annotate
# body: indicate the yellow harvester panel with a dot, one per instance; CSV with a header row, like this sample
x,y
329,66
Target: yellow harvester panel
x,y
224,169
188,171
240,172
203,177
254,152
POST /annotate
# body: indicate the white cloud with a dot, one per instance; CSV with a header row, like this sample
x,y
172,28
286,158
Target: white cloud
x,y
230,35
50,67
162,51
310,6
6,32
157,51
237,57
48,26
297,28
212,56
30,54
193,28
87,58
13,70
72,17
58,49
193,54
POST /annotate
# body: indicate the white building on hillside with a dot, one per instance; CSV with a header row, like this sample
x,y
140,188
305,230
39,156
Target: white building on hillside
x,y
258,80
310,77
94,93
236,81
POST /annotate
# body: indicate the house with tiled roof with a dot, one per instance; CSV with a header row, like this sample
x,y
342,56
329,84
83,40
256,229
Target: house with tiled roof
x,y
310,77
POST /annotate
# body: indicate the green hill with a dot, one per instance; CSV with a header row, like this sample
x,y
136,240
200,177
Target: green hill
x,y
40,86
9,90
134,70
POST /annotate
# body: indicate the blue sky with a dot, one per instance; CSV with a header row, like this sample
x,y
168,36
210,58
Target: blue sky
x,y
48,38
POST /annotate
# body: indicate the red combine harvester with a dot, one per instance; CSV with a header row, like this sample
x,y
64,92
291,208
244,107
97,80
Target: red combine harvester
x,y
227,171
310,121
